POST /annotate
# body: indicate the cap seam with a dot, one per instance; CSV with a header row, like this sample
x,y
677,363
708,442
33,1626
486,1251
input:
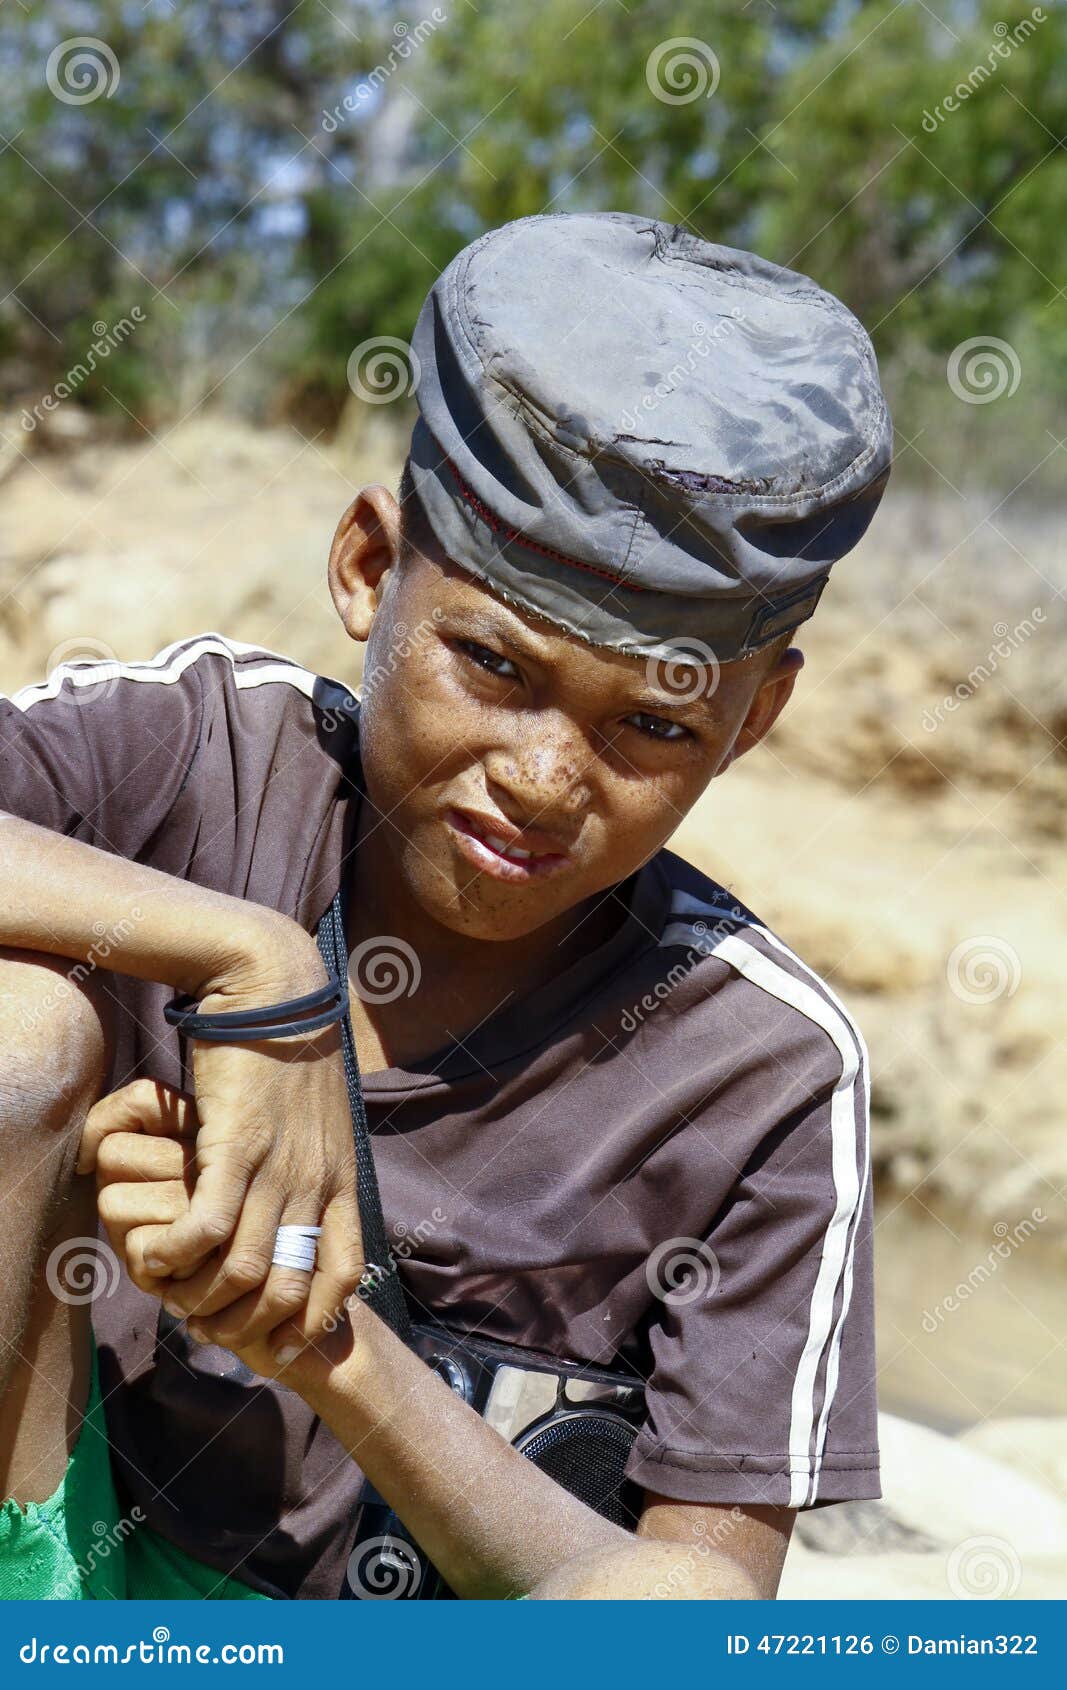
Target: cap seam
x,y
832,309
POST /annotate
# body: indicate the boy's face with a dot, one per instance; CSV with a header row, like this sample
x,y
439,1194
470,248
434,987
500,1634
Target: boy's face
x,y
486,734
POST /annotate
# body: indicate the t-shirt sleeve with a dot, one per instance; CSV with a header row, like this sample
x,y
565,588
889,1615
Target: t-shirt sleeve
x,y
100,751
763,1383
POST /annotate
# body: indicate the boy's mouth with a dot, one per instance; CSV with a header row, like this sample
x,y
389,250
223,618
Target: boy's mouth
x,y
506,854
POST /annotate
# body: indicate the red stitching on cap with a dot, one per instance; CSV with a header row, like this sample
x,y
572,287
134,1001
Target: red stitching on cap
x,y
546,551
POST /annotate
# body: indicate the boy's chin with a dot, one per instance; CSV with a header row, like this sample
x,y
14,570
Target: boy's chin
x,y
492,912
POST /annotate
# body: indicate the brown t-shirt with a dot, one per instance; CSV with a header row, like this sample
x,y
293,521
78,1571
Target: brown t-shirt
x,y
660,1156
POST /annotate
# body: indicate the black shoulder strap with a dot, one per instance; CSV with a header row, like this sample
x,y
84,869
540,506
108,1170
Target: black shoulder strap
x,y
383,1291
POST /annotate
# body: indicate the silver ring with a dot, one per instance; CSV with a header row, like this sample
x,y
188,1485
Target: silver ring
x,y
296,1247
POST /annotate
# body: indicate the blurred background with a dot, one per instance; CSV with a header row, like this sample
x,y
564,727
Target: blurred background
x,y
219,221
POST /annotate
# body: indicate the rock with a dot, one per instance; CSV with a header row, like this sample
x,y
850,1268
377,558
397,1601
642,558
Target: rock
x,y
933,1576
1036,1447
942,1487
965,1518
859,1528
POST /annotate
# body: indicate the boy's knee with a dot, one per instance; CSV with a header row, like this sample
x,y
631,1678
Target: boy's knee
x,y
55,1041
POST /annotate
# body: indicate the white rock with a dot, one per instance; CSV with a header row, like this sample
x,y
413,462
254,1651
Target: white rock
x,y
943,1487
1036,1447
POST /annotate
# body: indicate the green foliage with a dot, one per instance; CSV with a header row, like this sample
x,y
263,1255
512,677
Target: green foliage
x,y
266,227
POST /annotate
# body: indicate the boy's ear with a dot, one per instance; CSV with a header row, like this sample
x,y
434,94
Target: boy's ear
x,y
770,699
366,545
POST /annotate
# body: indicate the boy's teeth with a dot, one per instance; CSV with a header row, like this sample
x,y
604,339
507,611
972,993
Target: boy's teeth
x,y
504,848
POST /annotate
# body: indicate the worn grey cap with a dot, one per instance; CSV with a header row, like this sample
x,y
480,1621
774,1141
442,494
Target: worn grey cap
x,y
656,443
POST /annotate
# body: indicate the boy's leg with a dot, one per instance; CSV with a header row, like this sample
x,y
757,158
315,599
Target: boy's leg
x,y
54,1049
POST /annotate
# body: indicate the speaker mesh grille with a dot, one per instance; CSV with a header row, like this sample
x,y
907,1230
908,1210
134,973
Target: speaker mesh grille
x,y
587,1455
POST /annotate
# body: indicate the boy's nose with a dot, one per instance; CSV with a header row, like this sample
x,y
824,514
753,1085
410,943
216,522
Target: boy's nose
x,y
534,784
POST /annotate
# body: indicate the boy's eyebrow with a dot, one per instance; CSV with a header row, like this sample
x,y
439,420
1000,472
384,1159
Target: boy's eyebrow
x,y
644,696
479,621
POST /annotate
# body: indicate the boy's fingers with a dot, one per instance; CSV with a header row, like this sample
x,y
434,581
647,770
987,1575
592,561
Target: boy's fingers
x,y
338,1266
133,1216
239,1266
214,1210
143,1106
139,1241
123,1207
256,1314
130,1156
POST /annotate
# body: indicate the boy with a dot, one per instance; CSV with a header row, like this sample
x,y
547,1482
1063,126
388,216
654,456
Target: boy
x,y
613,1115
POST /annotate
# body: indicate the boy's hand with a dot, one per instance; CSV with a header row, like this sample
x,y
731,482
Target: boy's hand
x,y
273,1148
145,1174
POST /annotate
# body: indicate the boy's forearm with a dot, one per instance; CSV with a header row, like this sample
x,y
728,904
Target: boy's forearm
x,y
488,1519
73,900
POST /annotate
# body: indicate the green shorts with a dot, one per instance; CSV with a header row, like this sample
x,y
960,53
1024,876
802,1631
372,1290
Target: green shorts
x,y
77,1547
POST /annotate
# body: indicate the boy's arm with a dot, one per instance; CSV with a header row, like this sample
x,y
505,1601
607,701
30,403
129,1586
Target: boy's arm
x,y
491,1521
488,1519
64,897
275,1144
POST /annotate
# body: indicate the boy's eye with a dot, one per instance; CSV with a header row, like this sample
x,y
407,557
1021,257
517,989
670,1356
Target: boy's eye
x,y
490,660
657,727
